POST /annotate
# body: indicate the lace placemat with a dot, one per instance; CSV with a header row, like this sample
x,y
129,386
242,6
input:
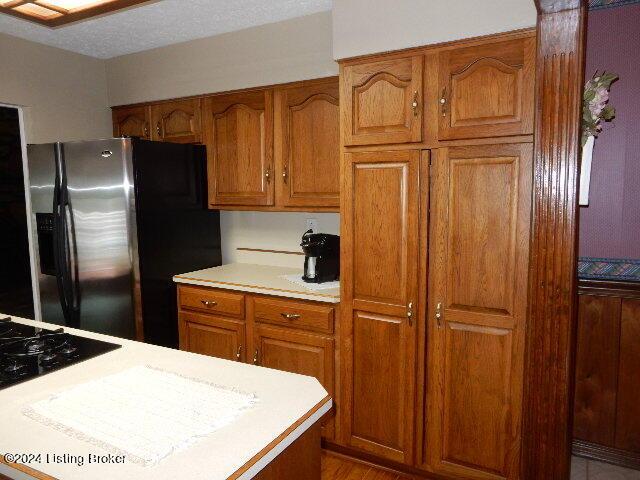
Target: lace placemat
x,y
143,412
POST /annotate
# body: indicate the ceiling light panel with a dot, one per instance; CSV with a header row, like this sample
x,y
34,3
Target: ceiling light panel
x,y
55,13
73,4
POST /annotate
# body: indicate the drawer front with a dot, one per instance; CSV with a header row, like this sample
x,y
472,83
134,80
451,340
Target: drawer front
x,y
212,301
307,316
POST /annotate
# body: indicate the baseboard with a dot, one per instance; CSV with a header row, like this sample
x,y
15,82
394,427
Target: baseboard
x,y
592,451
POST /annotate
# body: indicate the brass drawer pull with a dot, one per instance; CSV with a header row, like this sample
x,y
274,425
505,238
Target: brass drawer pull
x,y
410,314
290,316
209,303
255,357
238,353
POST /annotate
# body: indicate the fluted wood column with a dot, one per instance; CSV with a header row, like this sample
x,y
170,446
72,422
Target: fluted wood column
x,y
551,329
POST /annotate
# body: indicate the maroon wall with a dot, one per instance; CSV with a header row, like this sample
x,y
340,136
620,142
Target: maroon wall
x,y
610,225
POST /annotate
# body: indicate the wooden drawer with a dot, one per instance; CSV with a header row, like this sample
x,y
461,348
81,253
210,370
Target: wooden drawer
x,y
295,314
212,301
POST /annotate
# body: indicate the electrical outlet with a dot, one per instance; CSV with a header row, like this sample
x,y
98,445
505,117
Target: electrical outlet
x,y
312,224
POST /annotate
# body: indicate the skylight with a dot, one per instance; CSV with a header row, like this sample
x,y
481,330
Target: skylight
x,y
54,13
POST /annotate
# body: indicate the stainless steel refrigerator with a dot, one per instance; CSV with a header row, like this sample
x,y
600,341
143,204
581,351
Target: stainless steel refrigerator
x,y
113,221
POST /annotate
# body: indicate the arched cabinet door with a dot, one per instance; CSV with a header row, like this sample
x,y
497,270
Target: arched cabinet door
x,y
177,122
131,122
487,90
307,145
239,137
382,101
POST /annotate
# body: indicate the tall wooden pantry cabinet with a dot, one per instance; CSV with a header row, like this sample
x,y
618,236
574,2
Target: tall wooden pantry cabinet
x,y
435,212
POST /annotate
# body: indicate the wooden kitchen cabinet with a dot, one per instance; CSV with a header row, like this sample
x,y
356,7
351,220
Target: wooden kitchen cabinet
x,y
212,335
476,316
307,144
297,352
487,90
293,335
382,101
178,121
131,122
379,301
239,137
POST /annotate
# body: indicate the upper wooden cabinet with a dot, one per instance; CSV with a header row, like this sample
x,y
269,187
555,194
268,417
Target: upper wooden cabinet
x,y
131,122
307,145
378,298
178,121
476,317
239,137
487,90
382,101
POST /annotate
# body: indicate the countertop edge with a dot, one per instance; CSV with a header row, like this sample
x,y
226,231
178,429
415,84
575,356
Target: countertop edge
x,y
284,440
250,469
317,297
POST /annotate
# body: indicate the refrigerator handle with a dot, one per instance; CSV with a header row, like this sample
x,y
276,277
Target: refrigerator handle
x,y
64,253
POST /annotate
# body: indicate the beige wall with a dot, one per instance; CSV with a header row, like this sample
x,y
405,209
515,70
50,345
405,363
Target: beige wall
x,y
370,26
64,94
295,49
269,231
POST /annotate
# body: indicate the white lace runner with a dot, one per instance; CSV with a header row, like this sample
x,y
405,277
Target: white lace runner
x,y
142,412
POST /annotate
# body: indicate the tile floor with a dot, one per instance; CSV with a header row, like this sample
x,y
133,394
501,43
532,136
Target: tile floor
x,y
583,469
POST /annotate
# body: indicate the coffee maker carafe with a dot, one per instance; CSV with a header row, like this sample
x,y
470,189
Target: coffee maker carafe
x,y
322,257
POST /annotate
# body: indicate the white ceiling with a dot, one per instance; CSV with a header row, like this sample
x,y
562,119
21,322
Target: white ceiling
x,y
160,23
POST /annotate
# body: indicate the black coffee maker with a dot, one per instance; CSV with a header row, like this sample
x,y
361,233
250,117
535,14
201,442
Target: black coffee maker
x,y
322,257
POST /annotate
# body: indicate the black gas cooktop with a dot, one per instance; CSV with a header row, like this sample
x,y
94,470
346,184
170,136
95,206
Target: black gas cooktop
x,y
28,352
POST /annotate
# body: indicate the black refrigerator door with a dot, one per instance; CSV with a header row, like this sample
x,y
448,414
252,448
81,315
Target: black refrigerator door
x,y
176,231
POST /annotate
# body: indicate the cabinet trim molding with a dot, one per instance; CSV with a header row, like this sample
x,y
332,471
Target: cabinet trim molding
x,y
551,334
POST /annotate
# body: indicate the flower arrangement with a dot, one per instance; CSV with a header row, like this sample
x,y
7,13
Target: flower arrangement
x,y
594,104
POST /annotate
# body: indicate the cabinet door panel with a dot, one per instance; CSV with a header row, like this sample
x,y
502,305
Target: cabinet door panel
x,y
487,90
240,147
381,372
213,336
177,122
131,122
477,310
382,101
307,145
379,287
297,352
382,229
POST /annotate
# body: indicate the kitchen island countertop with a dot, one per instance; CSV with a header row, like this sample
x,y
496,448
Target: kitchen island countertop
x,y
288,406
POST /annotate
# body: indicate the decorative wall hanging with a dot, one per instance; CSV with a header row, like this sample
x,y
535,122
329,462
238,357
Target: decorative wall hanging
x,y
595,110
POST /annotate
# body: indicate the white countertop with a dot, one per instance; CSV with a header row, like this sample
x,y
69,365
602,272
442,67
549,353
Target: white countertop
x,y
263,279
289,404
